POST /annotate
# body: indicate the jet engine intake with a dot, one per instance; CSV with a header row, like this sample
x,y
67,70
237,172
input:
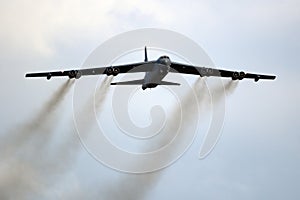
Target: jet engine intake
x,y
72,73
116,71
235,75
109,71
242,75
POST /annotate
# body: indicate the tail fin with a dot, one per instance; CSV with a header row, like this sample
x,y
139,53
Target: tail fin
x,y
146,56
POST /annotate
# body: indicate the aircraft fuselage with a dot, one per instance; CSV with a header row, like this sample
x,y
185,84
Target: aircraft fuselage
x,y
160,69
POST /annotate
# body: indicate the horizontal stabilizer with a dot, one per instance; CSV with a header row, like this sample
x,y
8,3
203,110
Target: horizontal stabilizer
x,y
168,83
141,82
134,82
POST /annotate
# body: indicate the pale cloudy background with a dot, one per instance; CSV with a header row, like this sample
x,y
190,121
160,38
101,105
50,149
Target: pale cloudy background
x,y
257,156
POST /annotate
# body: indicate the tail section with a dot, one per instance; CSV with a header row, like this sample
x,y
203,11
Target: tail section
x,y
146,56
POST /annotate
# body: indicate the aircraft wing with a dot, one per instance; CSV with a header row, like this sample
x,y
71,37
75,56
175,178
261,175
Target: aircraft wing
x,y
205,71
111,70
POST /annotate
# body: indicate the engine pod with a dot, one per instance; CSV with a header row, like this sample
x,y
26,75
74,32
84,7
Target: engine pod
x,y
49,76
109,71
116,71
72,73
78,74
235,75
242,75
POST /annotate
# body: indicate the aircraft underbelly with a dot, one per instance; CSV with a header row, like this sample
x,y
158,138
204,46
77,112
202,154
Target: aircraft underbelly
x,y
157,74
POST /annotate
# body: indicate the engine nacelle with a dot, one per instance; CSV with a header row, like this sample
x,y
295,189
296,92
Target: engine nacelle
x,y
206,72
78,74
256,78
203,72
109,71
242,75
235,75
210,71
72,73
116,71
49,76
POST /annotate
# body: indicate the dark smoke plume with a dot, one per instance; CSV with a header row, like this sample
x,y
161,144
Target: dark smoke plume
x,y
137,186
26,166
69,149
132,186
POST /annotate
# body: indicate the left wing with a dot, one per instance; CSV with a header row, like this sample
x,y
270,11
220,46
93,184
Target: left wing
x,y
204,71
112,70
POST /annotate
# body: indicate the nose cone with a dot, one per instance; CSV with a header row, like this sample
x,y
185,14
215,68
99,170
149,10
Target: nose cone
x,y
164,60
168,61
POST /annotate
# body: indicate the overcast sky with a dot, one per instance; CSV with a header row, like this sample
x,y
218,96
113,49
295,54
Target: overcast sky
x,y
257,156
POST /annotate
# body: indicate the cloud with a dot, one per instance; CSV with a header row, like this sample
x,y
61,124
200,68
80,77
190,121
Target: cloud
x,y
41,27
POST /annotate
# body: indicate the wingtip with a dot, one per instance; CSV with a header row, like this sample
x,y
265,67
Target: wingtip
x,y
28,75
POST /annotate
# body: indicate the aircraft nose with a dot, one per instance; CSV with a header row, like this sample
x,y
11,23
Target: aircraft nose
x,y
167,61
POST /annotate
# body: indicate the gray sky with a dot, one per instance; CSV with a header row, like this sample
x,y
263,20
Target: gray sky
x,y
257,156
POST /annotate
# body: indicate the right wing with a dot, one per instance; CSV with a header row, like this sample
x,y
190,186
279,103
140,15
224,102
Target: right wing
x,y
205,71
112,70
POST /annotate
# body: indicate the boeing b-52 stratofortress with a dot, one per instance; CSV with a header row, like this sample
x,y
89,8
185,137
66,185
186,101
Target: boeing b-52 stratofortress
x,y
155,71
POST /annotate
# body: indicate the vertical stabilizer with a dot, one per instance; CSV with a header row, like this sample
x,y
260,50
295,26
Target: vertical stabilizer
x,y
146,56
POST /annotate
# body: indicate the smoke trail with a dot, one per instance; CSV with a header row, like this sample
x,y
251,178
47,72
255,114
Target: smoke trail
x,y
228,89
37,125
65,153
92,106
24,161
68,150
204,92
131,186
101,92
138,186
230,86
